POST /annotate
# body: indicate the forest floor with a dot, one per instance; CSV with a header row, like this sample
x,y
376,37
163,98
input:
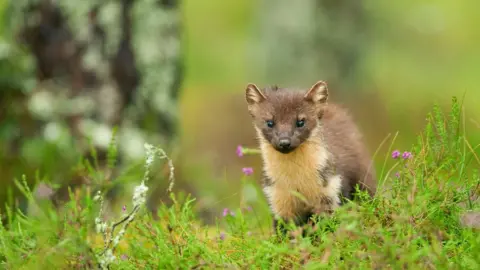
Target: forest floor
x,y
424,216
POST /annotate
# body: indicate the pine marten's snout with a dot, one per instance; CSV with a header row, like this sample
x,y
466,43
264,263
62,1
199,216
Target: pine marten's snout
x,y
284,145
284,139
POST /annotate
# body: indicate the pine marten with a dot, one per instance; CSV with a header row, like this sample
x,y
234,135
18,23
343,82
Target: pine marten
x,y
310,147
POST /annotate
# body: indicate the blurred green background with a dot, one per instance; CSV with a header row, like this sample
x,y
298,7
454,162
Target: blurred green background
x,y
388,61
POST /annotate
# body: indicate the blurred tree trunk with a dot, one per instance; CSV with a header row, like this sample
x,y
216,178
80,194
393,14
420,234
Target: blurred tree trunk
x,y
341,33
122,59
312,40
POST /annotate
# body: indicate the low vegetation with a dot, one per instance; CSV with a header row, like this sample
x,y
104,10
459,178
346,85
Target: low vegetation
x,y
414,222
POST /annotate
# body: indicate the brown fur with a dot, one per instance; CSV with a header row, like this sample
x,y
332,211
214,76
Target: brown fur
x,y
325,157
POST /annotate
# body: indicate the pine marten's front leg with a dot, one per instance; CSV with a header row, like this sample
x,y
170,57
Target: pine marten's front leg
x,y
280,226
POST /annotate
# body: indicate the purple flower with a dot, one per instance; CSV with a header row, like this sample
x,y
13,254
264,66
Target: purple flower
x,y
395,154
124,257
226,211
406,155
222,236
44,191
124,208
247,170
239,151
397,174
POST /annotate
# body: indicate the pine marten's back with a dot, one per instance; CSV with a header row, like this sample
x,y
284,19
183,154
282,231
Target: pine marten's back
x,y
345,143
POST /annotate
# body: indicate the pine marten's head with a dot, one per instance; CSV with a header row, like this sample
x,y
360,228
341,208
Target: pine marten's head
x,y
286,118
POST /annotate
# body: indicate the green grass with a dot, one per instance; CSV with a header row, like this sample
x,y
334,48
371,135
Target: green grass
x,y
413,222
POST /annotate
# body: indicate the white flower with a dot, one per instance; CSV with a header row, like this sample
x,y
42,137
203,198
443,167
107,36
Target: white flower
x,y
116,240
150,154
109,257
140,195
98,196
101,227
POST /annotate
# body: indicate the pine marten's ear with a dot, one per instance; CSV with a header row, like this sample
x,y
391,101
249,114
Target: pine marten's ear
x,y
318,93
253,94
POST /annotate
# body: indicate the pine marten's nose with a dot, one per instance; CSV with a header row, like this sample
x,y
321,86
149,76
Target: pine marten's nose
x,y
284,143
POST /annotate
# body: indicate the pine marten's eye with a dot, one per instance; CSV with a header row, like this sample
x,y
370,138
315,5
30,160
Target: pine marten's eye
x,y
300,123
270,123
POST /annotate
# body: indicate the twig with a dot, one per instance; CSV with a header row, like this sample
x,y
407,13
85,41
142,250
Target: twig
x,y
139,199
